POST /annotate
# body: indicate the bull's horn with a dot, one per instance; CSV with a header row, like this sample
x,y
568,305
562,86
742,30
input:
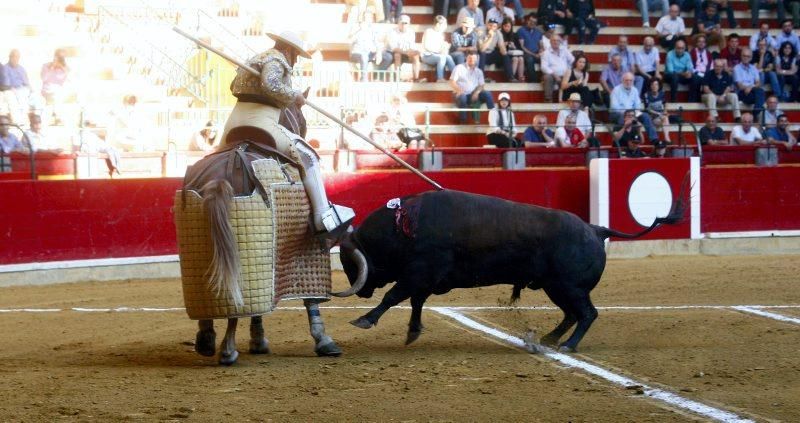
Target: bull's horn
x,y
361,262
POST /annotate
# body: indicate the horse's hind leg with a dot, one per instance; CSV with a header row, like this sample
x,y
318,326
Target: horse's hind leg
x,y
206,339
228,353
258,342
324,344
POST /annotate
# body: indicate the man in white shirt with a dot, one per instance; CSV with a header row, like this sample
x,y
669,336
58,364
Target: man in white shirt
x,y
500,12
402,45
670,28
745,134
763,33
556,62
582,120
569,135
467,82
626,97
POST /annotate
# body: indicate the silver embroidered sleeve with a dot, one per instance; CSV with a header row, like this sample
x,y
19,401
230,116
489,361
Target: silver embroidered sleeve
x,y
275,83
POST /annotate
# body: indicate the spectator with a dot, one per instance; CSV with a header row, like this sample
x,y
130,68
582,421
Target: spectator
x,y
780,134
549,32
467,83
583,15
384,134
530,39
732,53
625,97
628,135
93,143
14,80
763,34
647,62
647,6
500,12
787,35
129,125
748,83
764,61
655,104
660,149
718,90
464,41
582,120
399,115
502,125
711,134
745,134
772,112
54,78
577,82
36,138
555,64
513,48
708,23
724,5
569,135
626,54
355,10
519,11
366,46
402,45
393,9
786,67
756,5
492,49
670,28
681,71
206,139
612,77
471,10
554,12
8,141
701,57
435,49
539,135
443,7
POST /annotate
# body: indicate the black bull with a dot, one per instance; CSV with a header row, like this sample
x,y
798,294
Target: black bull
x,y
462,240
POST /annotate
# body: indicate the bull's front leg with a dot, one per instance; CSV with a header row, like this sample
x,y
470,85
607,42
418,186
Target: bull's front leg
x,y
206,339
396,295
415,324
324,345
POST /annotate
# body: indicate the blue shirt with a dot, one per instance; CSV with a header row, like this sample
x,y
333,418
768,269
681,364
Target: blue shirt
x,y
531,135
530,38
680,64
776,134
13,76
791,37
622,99
628,57
746,74
458,40
10,143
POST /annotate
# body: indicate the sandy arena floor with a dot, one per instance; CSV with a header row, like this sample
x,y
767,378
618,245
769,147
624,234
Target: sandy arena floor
x,y
140,365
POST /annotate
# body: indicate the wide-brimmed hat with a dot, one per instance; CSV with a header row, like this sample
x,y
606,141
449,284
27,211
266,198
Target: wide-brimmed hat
x,y
292,39
468,21
575,97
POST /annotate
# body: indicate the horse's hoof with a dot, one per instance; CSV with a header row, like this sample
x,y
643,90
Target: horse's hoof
x,y
328,350
566,349
362,322
205,343
259,346
412,336
228,359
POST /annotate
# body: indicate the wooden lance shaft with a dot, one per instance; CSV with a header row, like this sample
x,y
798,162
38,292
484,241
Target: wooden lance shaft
x,y
244,66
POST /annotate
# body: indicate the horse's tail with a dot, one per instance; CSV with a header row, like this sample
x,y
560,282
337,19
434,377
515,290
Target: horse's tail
x,y
224,267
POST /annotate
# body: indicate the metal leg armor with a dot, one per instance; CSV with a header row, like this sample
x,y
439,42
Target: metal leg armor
x,y
325,346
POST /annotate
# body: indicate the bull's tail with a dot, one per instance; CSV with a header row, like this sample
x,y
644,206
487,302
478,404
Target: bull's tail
x,y
224,268
675,215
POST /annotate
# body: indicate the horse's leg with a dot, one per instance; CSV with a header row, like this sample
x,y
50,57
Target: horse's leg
x,y
206,339
325,346
258,342
228,353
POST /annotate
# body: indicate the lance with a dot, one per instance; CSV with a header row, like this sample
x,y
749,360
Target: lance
x,y
244,66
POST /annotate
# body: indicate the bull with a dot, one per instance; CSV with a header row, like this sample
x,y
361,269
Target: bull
x,y
440,240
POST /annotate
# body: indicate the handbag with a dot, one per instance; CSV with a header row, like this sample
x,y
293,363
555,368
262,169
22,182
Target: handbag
x,y
407,135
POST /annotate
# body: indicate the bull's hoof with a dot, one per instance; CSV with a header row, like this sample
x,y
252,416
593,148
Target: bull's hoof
x,y
566,349
362,322
548,340
412,336
205,343
226,359
259,346
328,350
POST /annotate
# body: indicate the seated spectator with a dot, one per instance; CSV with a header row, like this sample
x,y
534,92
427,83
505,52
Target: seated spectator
x,y
354,9
513,48
763,34
670,28
443,7
464,41
128,127
55,76
711,134
384,134
724,6
92,141
366,46
688,5
787,35
467,83
655,105
748,83
554,12
732,53
14,81
435,50
780,134
8,141
680,70
583,14
628,135
206,139
771,113
530,39
393,9
626,54
402,45
660,149
786,68
569,135
701,57
764,61
556,62
612,77
582,119
646,64
625,97
745,134
471,10
503,129
492,50
539,135
647,6
708,23
718,91
757,5
36,138
516,5
499,12
577,82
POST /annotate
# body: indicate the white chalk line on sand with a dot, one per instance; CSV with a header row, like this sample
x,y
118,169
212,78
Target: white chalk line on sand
x,y
617,379
769,315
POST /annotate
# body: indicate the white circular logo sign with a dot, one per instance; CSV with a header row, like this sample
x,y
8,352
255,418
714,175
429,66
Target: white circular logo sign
x,y
649,197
